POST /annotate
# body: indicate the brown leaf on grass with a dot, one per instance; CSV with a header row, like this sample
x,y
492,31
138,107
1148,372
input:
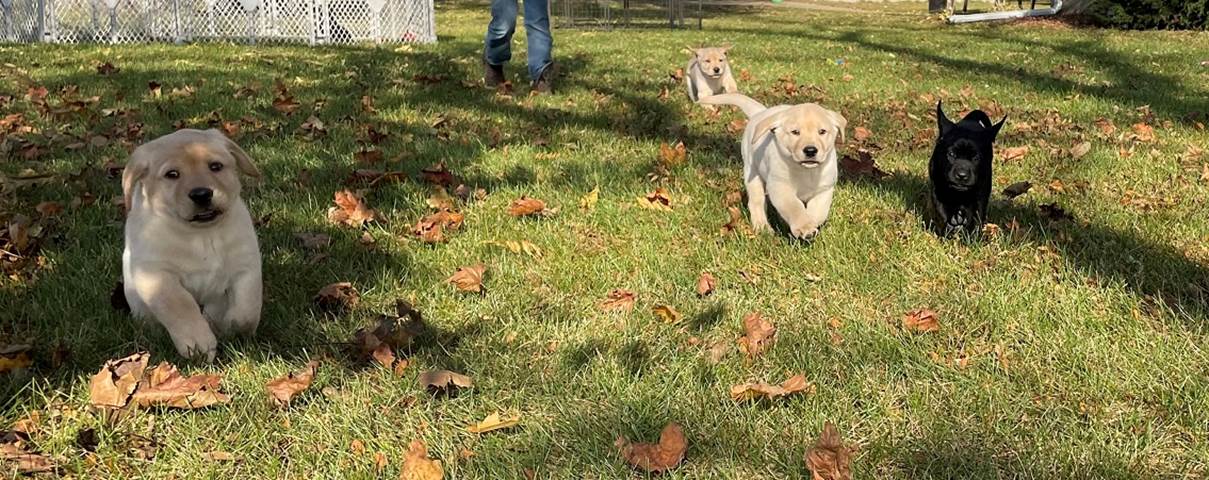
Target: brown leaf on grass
x,y
921,320
444,381
522,246
438,175
588,201
15,357
618,299
656,200
282,389
350,210
861,134
432,228
164,386
735,224
25,462
384,355
1014,153
469,279
736,126
1080,149
1143,132
655,457
1017,189
285,103
337,296
667,313
49,209
389,333
758,334
672,155
745,75
492,423
112,386
1106,126
752,391
862,166
706,284
314,241
417,465
220,456
1054,212
371,155
677,75
107,69
829,458
525,206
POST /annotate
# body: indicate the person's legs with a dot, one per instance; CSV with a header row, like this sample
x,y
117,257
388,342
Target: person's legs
x,y
537,28
498,45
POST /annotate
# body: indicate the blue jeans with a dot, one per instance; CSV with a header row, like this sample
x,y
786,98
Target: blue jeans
x,y
537,26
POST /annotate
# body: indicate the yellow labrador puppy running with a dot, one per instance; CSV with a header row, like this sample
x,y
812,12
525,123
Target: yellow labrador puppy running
x,y
789,154
708,73
191,260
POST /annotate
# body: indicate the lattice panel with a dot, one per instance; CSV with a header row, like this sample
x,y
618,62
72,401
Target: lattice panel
x,y
311,21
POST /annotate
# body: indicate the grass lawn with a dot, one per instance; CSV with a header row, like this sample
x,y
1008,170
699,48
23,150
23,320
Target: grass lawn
x,y
1067,348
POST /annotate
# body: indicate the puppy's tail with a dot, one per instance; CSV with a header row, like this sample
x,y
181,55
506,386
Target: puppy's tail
x,y
747,104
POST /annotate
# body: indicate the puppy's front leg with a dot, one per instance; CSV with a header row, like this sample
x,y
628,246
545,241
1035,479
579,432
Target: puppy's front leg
x,y
245,298
756,197
728,83
793,211
175,309
818,208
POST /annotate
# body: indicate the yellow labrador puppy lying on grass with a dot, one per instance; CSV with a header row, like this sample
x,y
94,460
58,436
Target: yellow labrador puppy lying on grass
x,y
191,260
789,154
708,73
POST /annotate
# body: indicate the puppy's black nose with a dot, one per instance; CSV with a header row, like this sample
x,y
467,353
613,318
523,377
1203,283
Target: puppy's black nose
x,y
811,151
963,175
717,69
201,196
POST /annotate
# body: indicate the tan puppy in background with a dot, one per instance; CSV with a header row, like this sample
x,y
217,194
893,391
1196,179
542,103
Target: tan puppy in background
x,y
191,260
789,154
708,73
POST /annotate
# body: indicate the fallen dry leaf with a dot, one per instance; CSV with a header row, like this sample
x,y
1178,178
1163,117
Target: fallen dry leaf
x,y
469,279
523,246
389,333
15,357
588,201
282,389
1055,212
861,134
921,320
1014,153
492,423
752,391
432,228
1079,150
1143,132
656,457
618,299
667,313
829,458
417,465
657,200
24,462
735,224
758,334
438,175
525,206
337,296
112,386
706,284
314,241
350,210
672,155
444,381
862,166
1106,126
1017,189
220,456
736,126
164,386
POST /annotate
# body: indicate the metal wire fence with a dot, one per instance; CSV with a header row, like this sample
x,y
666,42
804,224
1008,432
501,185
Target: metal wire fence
x,y
251,21
627,13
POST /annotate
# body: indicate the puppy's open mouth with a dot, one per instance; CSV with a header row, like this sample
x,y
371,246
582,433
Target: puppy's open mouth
x,y
206,216
809,163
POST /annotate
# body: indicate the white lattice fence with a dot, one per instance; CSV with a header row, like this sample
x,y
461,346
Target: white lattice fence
x,y
128,21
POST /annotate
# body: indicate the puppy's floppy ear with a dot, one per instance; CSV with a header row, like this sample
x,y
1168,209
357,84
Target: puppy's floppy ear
x,y
994,130
726,47
766,126
690,50
841,123
242,160
945,124
136,168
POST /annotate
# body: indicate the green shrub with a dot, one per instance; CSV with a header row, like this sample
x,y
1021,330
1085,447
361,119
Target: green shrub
x,y
1147,14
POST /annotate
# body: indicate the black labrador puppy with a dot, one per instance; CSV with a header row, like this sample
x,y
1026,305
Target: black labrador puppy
x,y
960,172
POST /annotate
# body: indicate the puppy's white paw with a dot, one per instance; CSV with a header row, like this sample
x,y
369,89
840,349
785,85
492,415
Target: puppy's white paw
x,y
196,343
761,225
805,232
243,324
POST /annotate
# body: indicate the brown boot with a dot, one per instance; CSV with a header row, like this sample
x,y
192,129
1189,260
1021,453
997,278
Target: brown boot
x,y
493,75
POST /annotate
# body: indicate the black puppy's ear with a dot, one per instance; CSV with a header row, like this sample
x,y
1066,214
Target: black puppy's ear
x,y
994,130
945,124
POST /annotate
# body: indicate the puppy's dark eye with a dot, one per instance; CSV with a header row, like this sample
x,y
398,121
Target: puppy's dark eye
x,y
215,167
822,131
173,174
795,132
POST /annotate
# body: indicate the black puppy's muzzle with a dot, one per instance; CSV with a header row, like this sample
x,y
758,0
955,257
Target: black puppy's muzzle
x,y
962,177
201,196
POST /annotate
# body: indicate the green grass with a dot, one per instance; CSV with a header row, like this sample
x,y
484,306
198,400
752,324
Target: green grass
x,y
1101,321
